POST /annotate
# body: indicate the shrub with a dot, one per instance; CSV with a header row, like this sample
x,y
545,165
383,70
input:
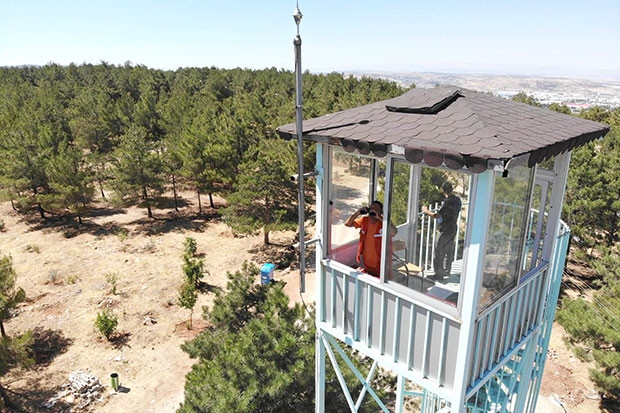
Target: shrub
x,y
193,267
53,276
187,298
33,248
122,234
72,279
106,323
112,278
191,246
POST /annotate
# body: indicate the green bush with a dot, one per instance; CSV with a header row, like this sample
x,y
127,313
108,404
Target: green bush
x,y
106,323
190,246
112,279
193,267
187,298
122,234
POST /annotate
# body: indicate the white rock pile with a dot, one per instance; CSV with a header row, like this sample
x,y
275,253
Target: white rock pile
x,y
82,390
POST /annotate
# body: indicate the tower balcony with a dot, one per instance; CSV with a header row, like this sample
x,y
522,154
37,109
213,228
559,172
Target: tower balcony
x,y
416,338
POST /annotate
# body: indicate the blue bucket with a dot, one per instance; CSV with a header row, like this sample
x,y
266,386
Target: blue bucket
x,y
266,273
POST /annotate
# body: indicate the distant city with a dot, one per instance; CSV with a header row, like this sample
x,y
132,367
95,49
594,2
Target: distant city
x,y
577,94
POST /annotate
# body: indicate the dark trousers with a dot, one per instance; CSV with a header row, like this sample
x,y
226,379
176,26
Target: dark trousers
x,y
444,254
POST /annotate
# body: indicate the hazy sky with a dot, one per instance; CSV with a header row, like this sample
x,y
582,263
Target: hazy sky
x,y
546,37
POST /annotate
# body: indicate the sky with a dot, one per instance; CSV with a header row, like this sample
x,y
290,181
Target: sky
x,y
569,38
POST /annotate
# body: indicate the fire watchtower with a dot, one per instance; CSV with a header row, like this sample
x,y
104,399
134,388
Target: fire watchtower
x,y
476,339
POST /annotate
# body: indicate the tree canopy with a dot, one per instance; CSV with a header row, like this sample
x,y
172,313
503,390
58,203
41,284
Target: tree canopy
x,y
137,133
258,354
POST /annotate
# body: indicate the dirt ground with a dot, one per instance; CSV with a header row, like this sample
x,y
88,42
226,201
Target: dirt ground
x,y
68,278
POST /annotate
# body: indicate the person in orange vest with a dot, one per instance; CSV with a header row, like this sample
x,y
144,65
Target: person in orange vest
x,y
369,220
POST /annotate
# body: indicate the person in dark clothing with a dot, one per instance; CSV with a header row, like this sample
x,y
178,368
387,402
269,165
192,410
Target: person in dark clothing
x,y
447,217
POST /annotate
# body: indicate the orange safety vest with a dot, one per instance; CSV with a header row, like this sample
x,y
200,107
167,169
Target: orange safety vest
x,y
363,225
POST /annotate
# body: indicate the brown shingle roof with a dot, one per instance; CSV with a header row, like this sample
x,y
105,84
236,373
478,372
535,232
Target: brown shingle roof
x,y
453,126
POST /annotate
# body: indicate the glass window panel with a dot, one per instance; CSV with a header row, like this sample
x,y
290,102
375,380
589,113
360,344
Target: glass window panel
x,y
349,191
354,180
537,223
507,233
400,192
530,256
420,239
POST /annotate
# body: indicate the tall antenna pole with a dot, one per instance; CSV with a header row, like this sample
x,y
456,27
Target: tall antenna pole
x,y
300,153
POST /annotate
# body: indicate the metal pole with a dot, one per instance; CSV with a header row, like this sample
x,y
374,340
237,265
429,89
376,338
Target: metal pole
x,y
300,155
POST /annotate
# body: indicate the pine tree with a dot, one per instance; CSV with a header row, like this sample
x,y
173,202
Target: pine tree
x,y
207,155
188,294
258,354
138,169
592,190
70,181
591,211
264,196
593,329
10,296
92,127
193,266
14,351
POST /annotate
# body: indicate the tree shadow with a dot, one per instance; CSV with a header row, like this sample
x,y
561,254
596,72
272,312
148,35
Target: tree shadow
x,y
104,212
577,277
176,222
282,255
120,340
52,221
171,222
347,195
70,226
35,400
209,288
168,203
166,219
48,344
610,404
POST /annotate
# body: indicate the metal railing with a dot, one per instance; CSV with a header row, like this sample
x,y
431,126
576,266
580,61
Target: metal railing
x,y
393,328
500,328
512,337
426,240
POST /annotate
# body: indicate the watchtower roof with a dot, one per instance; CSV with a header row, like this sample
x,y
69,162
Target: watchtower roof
x,y
452,126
